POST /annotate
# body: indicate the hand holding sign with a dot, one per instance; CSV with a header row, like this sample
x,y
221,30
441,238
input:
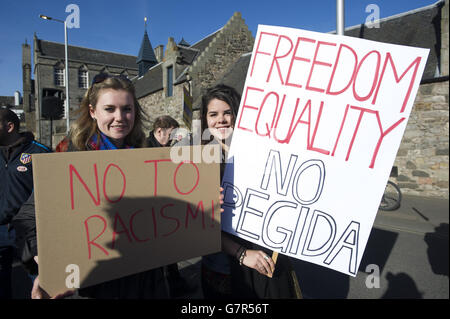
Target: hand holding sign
x,y
259,261
37,292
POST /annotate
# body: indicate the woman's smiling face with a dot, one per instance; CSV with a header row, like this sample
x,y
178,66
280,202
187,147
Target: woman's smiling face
x,y
115,114
220,119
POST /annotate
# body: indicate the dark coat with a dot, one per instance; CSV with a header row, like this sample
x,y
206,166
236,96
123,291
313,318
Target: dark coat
x,y
24,222
152,141
16,174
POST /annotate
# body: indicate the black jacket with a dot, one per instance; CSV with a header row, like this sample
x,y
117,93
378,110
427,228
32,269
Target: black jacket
x,y
24,222
152,141
16,174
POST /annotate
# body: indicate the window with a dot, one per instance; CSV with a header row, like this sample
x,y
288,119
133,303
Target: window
x,y
64,108
170,81
59,77
83,81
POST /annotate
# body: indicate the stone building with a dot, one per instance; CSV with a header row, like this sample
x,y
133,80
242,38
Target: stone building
x,y
422,159
49,79
224,56
194,67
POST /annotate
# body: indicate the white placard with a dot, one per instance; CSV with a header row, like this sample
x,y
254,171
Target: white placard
x,y
319,125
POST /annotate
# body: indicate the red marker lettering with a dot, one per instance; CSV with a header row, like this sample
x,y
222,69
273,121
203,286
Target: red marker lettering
x,y
316,62
156,170
297,58
194,215
175,178
72,169
416,62
104,184
132,230
277,57
115,232
92,242
257,49
245,106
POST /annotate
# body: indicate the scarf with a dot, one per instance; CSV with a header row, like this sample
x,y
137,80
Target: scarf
x,y
104,143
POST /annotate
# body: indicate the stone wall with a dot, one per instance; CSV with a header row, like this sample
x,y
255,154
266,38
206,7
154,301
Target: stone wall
x,y
157,104
44,78
231,42
422,159
444,39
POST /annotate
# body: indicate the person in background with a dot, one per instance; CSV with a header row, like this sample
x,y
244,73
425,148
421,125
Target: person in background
x,y
163,127
16,185
243,268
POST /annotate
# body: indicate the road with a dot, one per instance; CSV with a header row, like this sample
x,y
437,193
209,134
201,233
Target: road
x,y
409,246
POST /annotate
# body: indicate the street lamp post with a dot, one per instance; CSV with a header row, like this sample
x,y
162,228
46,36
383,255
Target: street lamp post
x,y
66,68
340,17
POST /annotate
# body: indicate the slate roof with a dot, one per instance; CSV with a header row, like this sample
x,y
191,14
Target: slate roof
x,y
236,75
417,28
184,43
56,50
151,82
203,43
146,52
6,101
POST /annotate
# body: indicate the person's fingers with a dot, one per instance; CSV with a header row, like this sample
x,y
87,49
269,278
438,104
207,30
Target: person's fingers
x,y
271,264
266,268
268,263
37,292
64,294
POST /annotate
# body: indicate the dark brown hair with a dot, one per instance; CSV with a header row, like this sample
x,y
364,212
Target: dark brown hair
x,y
224,93
165,121
6,115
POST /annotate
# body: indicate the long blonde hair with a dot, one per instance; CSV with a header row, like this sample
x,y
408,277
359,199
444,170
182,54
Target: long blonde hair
x,y
85,127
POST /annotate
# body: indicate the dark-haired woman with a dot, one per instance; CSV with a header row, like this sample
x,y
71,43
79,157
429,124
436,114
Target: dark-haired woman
x,y
242,270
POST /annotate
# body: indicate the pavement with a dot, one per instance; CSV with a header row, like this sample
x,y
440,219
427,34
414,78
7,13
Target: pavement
x,y
409,246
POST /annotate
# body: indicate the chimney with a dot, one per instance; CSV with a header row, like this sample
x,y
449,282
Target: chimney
x,y
159,52
17,98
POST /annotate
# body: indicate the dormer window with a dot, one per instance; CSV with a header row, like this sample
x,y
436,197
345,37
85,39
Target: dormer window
x,y
170,81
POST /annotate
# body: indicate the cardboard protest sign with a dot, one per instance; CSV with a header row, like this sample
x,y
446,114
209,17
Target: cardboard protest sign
x,y
108,214
320,122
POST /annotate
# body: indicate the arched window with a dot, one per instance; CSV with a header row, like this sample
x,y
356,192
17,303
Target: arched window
x,y
59,74
83,77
